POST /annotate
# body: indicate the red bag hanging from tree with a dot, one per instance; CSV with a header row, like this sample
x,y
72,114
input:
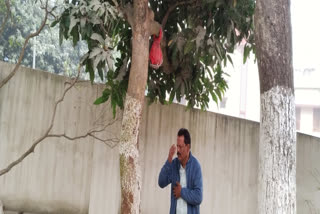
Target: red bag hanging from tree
x,y
155,54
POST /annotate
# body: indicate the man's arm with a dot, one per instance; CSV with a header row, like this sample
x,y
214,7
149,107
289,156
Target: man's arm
x,y
165,176
194,196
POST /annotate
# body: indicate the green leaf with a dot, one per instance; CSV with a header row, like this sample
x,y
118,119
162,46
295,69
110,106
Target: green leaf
x,y
214,97
246,53
100,72
61,34
91,77
89,30
120,101
218,92
230,60
171,96
188,47
75,35
103,98
178,94
65,21
83,59
113,105
55,22
73,23
97,37
219,51
100,100
90,70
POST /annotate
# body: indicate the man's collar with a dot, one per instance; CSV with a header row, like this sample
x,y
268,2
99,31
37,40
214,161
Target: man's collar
x,y
189,160
190,157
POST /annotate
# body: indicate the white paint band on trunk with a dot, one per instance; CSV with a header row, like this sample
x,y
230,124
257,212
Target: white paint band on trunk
x,y
128,149
1,207
130,125
277,153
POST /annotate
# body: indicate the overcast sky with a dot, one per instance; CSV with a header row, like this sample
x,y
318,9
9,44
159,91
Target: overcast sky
x,y
305,18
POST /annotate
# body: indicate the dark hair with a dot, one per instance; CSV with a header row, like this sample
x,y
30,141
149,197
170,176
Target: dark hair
x,y
186,134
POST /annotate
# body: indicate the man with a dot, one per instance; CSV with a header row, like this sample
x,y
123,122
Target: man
x,y
184,175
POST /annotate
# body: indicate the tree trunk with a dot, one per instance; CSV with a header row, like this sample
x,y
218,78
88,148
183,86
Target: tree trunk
x,y
130,174
277,147
1,208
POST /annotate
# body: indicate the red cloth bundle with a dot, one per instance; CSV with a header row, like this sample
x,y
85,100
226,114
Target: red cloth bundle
x,y
155,54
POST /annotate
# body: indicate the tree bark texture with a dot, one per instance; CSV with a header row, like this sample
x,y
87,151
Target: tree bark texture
x,y
277,146
130,174
277,153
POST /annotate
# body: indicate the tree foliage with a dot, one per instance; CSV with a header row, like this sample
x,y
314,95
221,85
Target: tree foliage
x,y
199,36
26,17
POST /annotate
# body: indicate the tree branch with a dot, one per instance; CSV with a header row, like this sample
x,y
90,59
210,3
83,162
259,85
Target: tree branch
x,y
105,126
52,14
167,67
171,8
6,18
128,13
154,26
111,142
115,3
45,135
13,72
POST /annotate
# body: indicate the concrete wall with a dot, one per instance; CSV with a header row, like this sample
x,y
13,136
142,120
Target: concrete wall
x,y
83,176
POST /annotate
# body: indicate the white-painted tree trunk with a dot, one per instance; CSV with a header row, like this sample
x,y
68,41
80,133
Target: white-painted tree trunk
x,y
1,208
129,139
277,146
129,157
277,153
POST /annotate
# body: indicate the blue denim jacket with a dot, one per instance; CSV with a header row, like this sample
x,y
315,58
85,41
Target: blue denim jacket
x,y
192,194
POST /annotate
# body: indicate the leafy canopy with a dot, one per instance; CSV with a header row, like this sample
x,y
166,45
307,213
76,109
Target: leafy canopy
x,y
199,36
25,18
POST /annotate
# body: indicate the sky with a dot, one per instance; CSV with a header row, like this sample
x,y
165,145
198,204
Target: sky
x,y
305,19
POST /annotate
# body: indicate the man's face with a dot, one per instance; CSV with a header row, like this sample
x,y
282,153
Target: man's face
x,y
182,148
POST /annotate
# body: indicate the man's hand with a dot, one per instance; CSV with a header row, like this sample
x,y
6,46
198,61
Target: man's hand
x,y
172,151
177,190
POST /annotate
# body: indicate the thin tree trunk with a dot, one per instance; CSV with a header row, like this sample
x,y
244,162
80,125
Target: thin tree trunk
x,y
130,174
1,208
277,147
